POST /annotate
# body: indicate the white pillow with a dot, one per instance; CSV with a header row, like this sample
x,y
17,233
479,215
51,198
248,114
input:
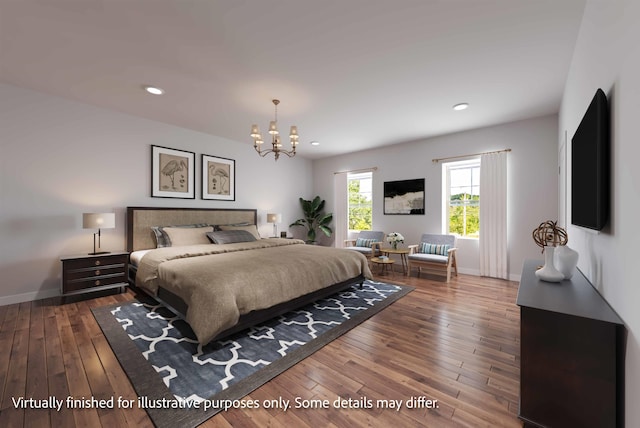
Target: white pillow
x,y
181,236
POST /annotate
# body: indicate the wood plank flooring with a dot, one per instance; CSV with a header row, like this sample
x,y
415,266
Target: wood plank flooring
x,y
456,343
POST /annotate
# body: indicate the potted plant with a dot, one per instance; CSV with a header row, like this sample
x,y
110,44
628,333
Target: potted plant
x,y
314,218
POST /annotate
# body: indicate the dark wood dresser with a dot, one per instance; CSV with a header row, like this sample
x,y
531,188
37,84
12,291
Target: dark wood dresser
x,y
88,273
572,354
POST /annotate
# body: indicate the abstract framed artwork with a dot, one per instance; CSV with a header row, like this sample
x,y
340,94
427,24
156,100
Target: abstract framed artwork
x,y
404,196
172,173
218,178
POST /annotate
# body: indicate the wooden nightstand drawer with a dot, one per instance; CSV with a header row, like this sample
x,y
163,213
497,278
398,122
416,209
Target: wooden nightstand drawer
x,y
95,261
98,281
87,273
93,272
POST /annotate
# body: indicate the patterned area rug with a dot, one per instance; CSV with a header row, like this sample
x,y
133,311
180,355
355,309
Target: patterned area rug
x,y
182,383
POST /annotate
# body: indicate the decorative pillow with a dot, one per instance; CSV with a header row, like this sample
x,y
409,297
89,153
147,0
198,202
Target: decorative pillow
x,y
361,242
218,227
180,236
163,240
251,228
426,248
230,236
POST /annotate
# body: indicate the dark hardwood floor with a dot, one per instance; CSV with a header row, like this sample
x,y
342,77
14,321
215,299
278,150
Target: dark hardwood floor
x,y
456,343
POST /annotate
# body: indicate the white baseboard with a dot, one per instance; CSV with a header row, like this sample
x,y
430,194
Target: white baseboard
x,y
514,277
466,271
476,272
29,297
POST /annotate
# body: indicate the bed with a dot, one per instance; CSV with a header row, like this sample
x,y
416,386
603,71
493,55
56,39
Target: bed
x,y
205,266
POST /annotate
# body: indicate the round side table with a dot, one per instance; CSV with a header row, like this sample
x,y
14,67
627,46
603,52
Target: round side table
x,y
383,264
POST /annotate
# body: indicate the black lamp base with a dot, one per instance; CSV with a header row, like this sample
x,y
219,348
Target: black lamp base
x,y
94,245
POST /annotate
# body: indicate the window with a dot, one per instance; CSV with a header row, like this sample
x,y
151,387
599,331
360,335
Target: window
x,y
462,198
360,200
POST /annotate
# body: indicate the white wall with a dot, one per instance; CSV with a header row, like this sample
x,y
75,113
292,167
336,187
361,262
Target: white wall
x,y
607,55
60,158
532,182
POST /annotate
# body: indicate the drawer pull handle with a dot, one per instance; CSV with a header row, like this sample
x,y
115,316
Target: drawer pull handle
x,y
97,282
97,262
98,272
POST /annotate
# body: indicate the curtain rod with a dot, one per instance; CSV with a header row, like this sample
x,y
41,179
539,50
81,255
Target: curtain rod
x,y
466,156
375,168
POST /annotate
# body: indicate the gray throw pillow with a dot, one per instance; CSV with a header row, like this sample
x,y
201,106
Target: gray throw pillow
x,y
230,236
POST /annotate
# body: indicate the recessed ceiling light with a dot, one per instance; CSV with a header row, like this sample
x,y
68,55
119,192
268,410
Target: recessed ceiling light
x,y
461,106
315,143
154,90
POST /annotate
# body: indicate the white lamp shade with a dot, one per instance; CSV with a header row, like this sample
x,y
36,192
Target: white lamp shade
x,y
98,220
274,218
273,129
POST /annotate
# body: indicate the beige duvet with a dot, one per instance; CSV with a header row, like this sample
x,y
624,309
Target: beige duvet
x,y
222,282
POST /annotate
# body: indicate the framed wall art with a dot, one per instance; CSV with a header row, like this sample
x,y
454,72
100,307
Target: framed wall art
x,y
172,173
404,196
218,178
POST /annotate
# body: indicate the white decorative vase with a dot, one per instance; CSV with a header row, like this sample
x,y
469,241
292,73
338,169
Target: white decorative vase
x,y
566,260
548,272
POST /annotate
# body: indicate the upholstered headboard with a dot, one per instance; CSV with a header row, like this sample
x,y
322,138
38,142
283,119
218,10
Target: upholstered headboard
x,y
141,219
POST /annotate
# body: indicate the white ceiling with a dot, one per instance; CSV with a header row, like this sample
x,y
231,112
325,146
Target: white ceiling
x,y
351,74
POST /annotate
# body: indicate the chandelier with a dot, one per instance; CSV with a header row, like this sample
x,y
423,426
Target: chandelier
x,y
276,145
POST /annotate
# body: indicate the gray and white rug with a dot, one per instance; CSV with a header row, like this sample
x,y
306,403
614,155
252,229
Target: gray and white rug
x,y
163,360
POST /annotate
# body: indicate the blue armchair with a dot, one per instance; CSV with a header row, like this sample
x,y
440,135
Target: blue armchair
x,y
368,243
435,253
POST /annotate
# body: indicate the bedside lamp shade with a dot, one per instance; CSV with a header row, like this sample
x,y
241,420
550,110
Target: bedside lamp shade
x,y
98,221
275,219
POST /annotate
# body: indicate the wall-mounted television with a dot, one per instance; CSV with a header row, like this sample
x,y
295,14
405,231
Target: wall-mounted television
x,y
590,166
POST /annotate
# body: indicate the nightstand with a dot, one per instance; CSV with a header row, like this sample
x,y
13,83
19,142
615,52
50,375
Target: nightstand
x,y
87,273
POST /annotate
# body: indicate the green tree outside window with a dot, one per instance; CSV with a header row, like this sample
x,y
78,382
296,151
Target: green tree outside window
x,y
464,215
360,207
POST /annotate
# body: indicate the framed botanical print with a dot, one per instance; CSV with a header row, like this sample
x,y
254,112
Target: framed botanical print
x,y
404,196
172,173
218,178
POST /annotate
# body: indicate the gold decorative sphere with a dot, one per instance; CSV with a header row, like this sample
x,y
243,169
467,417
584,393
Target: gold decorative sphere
x,y
549,234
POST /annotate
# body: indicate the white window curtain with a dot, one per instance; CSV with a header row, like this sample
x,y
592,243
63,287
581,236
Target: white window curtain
x,y
493,215
341,207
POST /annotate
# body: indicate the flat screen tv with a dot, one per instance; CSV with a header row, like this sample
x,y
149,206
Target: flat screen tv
x,y
590,166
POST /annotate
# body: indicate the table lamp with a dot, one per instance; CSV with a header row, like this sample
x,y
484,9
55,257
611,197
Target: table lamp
x,y
98,221
275,219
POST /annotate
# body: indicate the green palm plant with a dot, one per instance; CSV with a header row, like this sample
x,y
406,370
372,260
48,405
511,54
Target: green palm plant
x,y
314,218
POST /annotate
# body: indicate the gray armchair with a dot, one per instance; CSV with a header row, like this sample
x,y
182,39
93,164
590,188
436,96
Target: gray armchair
x,y
371,247
433,257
